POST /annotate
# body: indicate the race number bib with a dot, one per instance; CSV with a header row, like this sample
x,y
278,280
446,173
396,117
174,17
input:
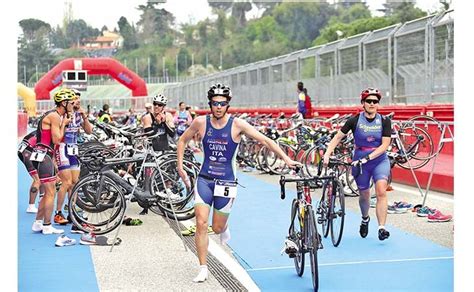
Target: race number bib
x,y
225,188
72,150
22,146
38,155
181,128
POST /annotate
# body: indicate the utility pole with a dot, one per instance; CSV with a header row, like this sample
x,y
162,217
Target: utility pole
x,y
163,60
192,64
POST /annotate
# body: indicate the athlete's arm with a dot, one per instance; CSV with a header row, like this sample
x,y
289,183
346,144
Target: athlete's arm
x,y
57,127
182,142
169,124
146,121
250,131
332,145
86,125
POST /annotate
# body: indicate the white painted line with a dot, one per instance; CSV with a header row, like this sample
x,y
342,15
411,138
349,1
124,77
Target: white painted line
x,y
230,263
417,193
356,263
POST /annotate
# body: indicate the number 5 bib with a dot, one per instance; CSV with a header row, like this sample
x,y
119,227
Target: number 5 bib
x,y
225,188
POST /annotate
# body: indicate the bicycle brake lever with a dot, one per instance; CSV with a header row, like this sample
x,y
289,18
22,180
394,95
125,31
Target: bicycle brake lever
x,y
282,187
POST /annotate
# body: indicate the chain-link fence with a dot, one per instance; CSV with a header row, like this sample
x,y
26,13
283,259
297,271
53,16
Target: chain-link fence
x,y
410,63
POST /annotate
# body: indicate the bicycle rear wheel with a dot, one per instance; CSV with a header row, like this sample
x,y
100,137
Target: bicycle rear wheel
x,y
312,242
337,212
95,208
296,234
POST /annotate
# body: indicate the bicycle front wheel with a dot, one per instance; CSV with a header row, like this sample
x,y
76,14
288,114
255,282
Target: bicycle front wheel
x,y
337,212
296,234
312,241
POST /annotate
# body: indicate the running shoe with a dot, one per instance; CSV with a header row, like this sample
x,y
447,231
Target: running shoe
x,y
373,202
383,234
88,239
403,205
49,229
63,240
75,229
393,209
192,230
437,216
290,248
425,211
364,228
31,209
60,219
37,226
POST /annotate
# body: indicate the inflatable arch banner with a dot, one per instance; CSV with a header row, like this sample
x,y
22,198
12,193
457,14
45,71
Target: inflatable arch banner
x,y
29,98
94,66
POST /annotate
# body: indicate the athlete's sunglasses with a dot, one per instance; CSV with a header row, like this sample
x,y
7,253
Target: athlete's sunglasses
x,y
220,103
158,104
371,101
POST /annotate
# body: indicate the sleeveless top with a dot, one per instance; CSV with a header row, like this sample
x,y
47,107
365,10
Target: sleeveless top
x,y
368,136
72,129
30,138
182,118
220,151
161,142
44,136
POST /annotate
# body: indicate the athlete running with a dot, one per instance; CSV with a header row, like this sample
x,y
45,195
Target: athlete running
x,y
51,129
217,182
182,119
24,153
372,137
66,154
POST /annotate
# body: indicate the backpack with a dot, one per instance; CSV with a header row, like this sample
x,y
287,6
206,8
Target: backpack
x,y
308,106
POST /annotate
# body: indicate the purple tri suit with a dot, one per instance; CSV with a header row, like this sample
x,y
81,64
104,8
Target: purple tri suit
x,y
367,137
220,151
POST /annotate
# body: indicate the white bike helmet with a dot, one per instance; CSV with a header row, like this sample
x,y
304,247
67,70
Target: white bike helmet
x,y
160,98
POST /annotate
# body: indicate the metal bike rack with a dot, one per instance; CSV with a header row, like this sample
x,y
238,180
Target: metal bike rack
x,y
445,128
147,153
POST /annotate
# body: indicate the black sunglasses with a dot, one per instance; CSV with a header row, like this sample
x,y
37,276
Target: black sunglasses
x,y
158,104
219,103
371,101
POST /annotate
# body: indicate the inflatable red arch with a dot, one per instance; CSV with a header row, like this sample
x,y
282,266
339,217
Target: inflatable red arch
x,y
94,66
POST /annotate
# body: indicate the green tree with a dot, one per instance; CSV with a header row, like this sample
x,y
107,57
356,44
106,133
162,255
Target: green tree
x,y
34,28
302,22
353,12
33,48
128,33
403,11
58,39
78,30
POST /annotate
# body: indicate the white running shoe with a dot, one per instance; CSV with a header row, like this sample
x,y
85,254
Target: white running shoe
x,y
37,226
373,202
202,276
49,229
63,240
31,209
173,196
225,236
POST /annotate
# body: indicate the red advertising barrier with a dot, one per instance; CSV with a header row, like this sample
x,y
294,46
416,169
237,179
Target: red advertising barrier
x,y
443,177
22,124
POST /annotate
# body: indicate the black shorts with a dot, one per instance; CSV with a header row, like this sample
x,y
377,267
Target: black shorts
x,y
46,168
25,159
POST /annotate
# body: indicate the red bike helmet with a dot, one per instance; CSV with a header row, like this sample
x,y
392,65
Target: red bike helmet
x,y
370,91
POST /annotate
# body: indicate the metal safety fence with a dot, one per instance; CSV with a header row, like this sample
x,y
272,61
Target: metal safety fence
x,y
411,63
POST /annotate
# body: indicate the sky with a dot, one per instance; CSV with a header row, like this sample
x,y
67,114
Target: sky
x,y
98,13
